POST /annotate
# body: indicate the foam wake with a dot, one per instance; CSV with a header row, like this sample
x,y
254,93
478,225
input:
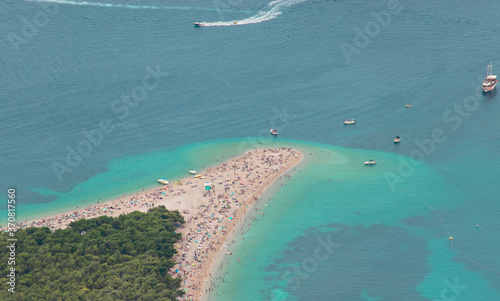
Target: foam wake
x,y
130,6
262,16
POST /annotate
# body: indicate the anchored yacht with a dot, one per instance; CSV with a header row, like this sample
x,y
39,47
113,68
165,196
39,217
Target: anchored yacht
x,y
490,82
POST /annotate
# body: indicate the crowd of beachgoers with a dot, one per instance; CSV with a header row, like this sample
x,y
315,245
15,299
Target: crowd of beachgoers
x,y
210,214
238,185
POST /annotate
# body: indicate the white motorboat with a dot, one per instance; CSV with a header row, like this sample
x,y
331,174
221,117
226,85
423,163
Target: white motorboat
x,y
274,132
490,82
163,181
370,162
193,172
397,139
349,121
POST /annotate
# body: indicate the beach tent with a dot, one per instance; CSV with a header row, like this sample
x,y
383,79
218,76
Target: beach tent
x,y
208,186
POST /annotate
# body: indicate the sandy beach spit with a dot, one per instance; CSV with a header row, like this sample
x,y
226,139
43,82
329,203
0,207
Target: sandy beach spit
x,y
211,215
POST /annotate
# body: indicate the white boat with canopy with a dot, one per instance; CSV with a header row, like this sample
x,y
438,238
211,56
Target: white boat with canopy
x,y
163,181
349,121
490,82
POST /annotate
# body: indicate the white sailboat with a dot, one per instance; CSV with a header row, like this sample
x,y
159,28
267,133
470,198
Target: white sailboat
x,y
490,82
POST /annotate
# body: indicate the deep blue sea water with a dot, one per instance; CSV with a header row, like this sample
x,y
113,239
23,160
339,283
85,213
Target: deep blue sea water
x,y
67,67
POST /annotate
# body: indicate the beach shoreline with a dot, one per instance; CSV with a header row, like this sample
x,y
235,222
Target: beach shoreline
x,y
218,257
197,266
211,215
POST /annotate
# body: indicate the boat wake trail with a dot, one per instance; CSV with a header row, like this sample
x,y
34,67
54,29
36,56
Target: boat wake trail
x,y
129,6
262,16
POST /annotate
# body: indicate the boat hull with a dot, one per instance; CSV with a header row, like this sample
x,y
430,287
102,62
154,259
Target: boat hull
x,y
489,89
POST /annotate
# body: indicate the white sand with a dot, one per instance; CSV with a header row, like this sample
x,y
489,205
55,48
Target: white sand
x,y
210,217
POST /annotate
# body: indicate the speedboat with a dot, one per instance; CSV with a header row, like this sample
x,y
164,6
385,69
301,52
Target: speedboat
x,y
490,82
408,106
397,139
370,162
274,132
349,121
198,24
193,172
163,181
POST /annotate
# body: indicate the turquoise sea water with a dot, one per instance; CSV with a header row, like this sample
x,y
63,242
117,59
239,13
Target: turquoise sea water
x,y
66,64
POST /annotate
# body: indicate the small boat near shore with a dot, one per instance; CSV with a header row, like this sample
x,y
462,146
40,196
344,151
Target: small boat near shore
x,y
397,139
349,121
370,162
274,132
163,181
193,172
490,82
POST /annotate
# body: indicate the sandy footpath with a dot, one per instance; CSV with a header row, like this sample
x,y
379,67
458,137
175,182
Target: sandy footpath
x,y
210,215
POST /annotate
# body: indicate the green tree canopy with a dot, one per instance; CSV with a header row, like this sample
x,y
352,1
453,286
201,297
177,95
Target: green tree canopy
x,y
105,258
